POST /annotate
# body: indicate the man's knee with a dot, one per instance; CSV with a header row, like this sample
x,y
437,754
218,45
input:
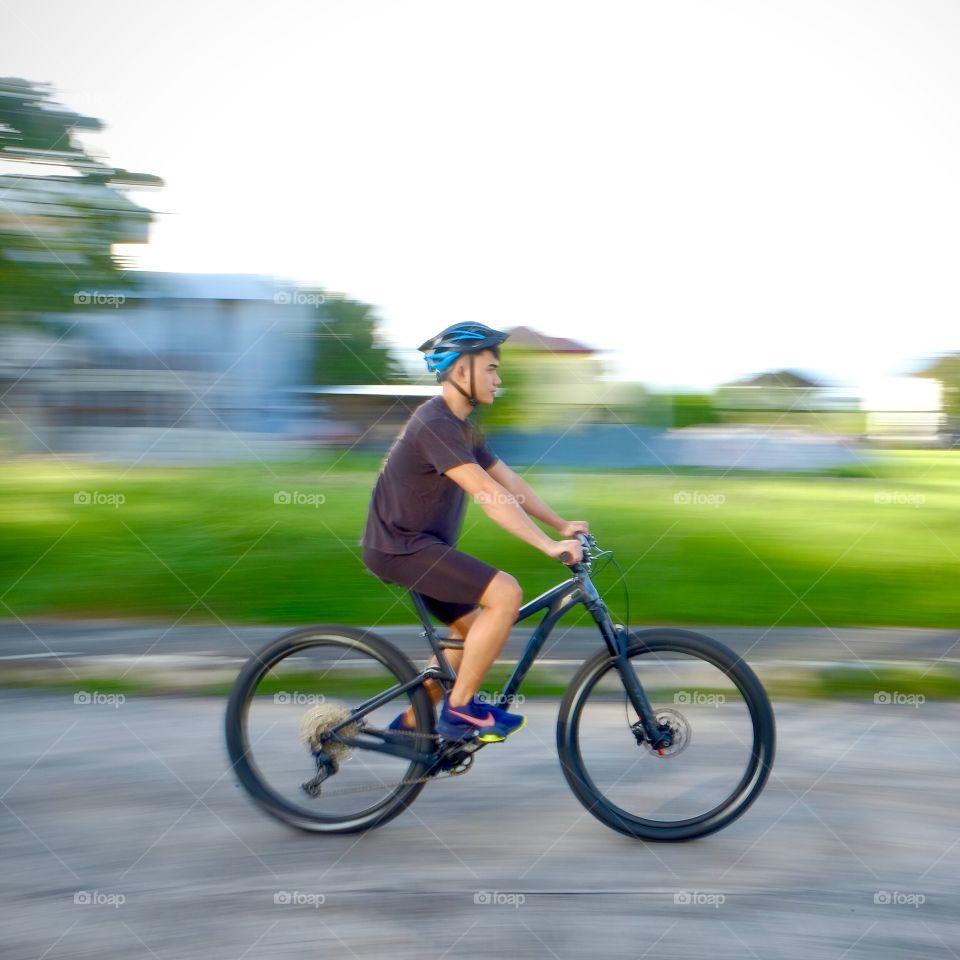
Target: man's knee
x,y
503,593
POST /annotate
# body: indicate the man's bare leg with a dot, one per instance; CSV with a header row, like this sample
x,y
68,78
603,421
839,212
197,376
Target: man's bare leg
x,y
485,633
459,630
487,636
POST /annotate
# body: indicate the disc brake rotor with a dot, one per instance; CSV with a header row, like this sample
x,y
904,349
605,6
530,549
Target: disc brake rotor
x,y
679,728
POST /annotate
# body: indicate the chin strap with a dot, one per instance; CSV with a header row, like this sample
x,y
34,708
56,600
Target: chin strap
x,y
471,399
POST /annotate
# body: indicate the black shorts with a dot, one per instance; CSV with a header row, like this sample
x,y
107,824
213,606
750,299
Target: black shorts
x,y
451,582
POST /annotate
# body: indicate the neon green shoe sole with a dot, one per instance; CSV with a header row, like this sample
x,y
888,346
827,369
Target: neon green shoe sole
x,y
497,737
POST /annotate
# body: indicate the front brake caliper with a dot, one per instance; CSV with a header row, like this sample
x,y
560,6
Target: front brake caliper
x,y
663,739
672,737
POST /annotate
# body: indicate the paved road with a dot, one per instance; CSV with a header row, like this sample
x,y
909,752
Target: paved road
x,y
42,638
852,852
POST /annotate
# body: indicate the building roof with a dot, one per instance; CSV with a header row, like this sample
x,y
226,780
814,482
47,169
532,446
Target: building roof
x,y
533,339
777,378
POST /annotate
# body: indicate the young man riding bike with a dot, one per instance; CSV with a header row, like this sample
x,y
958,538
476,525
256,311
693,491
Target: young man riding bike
x,y
415,515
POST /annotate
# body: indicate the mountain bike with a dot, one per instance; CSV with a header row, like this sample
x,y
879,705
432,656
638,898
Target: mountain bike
x,y
663,734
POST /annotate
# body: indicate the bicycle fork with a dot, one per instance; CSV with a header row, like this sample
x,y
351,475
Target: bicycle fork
x,y
617,640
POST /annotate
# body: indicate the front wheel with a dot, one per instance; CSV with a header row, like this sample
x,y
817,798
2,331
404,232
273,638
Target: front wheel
x,y
720,722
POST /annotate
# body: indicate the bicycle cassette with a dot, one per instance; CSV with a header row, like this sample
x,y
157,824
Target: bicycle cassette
x,y
318,720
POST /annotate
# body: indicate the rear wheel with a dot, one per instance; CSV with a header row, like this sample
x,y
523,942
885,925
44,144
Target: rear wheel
x,y
720,722
297,688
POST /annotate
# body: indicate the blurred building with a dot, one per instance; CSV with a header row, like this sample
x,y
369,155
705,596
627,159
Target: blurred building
x,y
781,420
905,411
184,367
549,381
784,391
55,210
368,415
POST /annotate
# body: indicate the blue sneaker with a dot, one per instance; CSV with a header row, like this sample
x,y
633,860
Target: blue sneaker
x,y
498,712
398,724
488,724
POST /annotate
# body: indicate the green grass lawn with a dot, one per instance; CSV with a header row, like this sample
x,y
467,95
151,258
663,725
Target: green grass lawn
x,y
201,544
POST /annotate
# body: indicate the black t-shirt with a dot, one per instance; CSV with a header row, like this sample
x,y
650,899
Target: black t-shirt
x,y
413,503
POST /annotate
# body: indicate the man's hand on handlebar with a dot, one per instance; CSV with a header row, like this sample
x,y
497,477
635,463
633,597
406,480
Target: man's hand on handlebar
x,y
566,551
571,528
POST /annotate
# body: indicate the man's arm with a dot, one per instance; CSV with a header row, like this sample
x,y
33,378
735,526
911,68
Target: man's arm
x,y
531,503
501,505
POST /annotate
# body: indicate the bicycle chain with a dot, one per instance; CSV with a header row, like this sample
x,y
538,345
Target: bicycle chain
x,y
441,775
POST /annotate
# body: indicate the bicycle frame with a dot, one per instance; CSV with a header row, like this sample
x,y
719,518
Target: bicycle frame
x,y
557,601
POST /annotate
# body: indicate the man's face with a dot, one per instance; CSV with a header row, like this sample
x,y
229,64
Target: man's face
x,y
485,377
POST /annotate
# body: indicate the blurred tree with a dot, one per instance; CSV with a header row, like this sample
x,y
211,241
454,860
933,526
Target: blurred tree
x,y
57,230
946,369
347,350
515,401
693,409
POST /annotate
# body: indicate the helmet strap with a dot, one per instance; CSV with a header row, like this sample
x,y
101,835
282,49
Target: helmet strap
x,y
471,398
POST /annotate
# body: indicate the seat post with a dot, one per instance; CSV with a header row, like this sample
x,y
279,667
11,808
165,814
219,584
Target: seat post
x,y
436,643
423,613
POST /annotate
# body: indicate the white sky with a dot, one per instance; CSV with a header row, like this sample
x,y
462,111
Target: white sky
x,y
705,188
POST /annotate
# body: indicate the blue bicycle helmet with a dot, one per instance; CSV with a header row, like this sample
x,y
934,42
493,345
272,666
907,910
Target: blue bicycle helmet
x,y
443,350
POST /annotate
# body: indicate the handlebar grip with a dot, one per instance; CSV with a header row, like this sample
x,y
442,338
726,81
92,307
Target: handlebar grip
x,y
565,557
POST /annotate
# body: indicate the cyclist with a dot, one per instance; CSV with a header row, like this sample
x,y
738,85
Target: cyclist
x,y
416,511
